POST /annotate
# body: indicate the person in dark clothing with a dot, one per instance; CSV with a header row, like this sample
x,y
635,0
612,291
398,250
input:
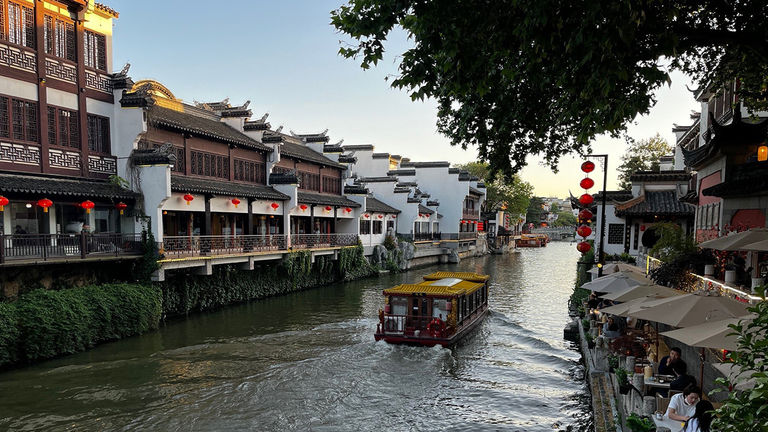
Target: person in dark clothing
x,y
672,364
593,301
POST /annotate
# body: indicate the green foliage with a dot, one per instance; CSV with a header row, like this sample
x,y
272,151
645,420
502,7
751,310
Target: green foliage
x,y
585,324
613,361
642,155
510,191
636,423
147,265
389,243
623,257
565,218
746,410
546,77
119,181
622,376
43,324
673,242
535,210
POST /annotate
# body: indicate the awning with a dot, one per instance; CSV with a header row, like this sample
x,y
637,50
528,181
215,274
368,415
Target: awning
x,y
375,206
22,186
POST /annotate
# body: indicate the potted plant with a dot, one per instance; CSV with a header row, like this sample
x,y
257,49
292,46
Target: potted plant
x,y
636,423
613,362
622,377
590,341
730,273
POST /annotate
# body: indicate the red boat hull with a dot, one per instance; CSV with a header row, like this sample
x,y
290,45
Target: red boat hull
x,y
400,338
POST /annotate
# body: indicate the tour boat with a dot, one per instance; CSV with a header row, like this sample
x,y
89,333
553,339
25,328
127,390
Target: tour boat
x,y
440,310
532,240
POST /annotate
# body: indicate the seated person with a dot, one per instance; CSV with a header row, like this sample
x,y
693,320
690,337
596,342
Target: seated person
x,y
701,420
606,303
672,364
611,329
682,406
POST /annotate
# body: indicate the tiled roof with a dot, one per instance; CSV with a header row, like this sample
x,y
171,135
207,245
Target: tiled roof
x,y
361,147
432,164
426,210
51,187
655,203
402,190
433,203
332,148
355,190
481,185
620,196
464,176
378,179
402,172
375,206
380,156
659,176
283,178
406,184
152,157
227,188
320,199
474,191
414,200
691,197
256,125
749,179
305,153
203,127
737,133
396,157
347,159
454,171
106,9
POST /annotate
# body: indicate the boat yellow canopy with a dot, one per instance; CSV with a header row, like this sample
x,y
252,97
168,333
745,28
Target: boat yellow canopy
x,y
442,284
467,276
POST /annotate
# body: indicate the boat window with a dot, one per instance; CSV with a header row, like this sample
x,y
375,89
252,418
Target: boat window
x,y
399,305
439,309
425,307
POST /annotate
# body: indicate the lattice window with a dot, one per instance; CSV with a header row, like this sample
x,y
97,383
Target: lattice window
x,y
21,25
309,181
377,227
331,185
59,37
95,50
52,126
209,165
48,34
98,134
615,233
4,117
24,120
180,164
365,227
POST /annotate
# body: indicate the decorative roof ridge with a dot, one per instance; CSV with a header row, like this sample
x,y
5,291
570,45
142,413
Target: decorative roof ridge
x,y
106,9
383,179
630,203
358,147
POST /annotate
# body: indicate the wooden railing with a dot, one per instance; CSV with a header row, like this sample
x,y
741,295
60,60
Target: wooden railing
x,y
309,241
185,246
60,246
470,214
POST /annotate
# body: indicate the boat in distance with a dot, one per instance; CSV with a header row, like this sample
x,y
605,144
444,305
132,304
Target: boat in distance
x,y
440,310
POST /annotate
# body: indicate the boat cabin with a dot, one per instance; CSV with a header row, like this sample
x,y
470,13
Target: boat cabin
x,y
438,310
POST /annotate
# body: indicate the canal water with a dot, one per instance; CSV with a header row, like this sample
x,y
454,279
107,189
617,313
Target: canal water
x,y
308,361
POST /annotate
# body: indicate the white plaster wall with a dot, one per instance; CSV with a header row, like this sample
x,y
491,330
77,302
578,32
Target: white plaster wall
x,y
61,99
157,192
447,189
611,218
364,166
15,88
128,124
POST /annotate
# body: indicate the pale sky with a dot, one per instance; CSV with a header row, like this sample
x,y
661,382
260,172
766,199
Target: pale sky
x,y
283,57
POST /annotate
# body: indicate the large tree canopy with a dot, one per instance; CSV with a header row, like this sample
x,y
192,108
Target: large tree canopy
x,y
544,77
642,155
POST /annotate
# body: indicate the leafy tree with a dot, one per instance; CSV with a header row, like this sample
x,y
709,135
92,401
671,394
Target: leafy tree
x,y
545,77
565,218
511,191
535,210
642,155
745,409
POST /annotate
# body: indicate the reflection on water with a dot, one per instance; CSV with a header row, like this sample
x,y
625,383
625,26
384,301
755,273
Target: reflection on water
x,y
308,361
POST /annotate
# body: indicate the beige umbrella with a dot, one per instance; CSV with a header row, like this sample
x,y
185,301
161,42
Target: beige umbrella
x,y
616,282
713,334
761,246
623,309
640,291
691,309
744,381
736,241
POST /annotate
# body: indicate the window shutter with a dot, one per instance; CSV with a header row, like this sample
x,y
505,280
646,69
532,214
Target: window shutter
x,y
101,53
74,129
29,27
52,126
4,129
48,34
70,42
31,120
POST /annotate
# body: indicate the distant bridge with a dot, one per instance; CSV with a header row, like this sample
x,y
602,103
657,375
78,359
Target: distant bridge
x,y
557,233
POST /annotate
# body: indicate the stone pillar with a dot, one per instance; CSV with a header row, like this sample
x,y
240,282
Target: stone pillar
x,y
637,398
649,405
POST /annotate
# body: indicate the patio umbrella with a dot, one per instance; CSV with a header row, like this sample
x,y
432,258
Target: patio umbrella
x,y
733,372
616,282
691,309
736,241
640,291
713,334
631,305
617,267
761,246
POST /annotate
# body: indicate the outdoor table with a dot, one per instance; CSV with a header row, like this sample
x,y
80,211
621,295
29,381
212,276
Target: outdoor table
x,y
673,425
655,384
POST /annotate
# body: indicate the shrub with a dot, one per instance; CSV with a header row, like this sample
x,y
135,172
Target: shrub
x,y
622,376
636,423
52,323
389,243
9,334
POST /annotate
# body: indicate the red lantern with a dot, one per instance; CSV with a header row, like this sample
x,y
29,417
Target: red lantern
x,y
583,247
303,207
44,203
585,215
587,183
328,208
394,216
642,227
87,205
348,210
588,166
586,199
584,231
274,205
121,206
367,215
381,216
188,198
3,202
235,201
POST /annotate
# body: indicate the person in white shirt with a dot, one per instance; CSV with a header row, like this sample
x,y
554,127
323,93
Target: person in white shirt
x,y
701,419
682,406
